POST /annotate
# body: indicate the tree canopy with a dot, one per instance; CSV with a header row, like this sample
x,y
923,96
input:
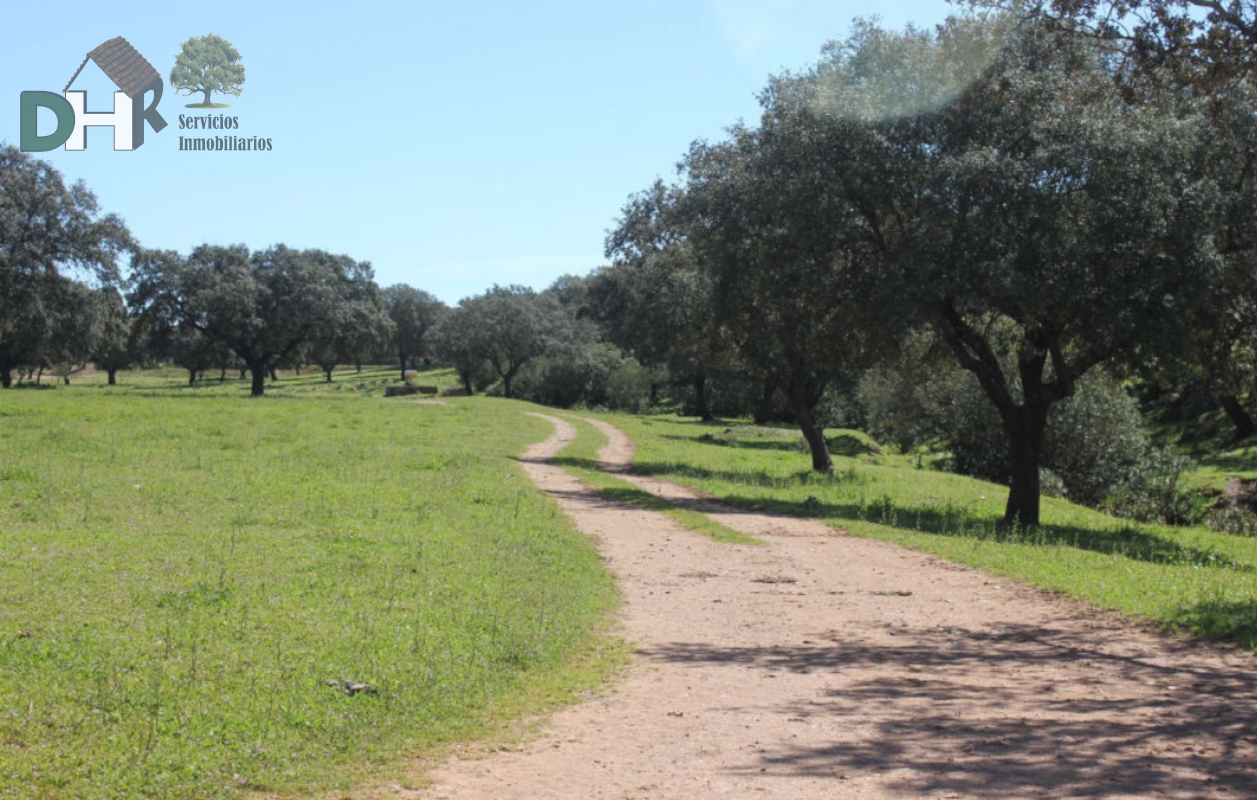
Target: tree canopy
x,y
262,305
505,327
48,232
415,315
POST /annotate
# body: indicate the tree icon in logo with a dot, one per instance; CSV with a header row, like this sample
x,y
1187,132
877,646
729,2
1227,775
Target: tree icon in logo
x,y
208,64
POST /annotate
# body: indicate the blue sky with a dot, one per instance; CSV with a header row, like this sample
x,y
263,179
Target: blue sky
x,y
452,145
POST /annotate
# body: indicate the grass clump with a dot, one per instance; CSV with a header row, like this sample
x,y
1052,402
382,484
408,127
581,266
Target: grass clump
x,y
1188,578
183,573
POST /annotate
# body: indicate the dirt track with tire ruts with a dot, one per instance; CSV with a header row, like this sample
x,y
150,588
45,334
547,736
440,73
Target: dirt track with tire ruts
x,y
823,665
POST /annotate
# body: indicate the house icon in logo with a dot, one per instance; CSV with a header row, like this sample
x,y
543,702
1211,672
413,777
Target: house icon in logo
x,y
124,65
133,76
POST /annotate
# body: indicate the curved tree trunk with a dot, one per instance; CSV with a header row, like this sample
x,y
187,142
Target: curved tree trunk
x,y
1239,416
1024,422
805,413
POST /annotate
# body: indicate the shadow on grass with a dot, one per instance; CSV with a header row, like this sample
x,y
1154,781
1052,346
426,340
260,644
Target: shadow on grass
x,y
1128,541
1092,736
1234,621
778,445
572,462
672,470
630,494
840,445
1245,461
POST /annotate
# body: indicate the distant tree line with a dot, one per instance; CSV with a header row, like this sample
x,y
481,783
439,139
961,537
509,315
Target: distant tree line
x,y
977,236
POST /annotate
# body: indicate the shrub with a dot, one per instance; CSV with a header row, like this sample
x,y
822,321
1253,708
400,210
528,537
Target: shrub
x,y
1234,520
1095,440
1153,493
585,374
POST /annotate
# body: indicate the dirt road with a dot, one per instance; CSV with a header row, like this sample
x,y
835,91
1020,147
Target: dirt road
x,y
828,666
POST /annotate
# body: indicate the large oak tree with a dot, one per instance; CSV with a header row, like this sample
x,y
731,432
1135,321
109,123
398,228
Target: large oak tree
x,y
1060,227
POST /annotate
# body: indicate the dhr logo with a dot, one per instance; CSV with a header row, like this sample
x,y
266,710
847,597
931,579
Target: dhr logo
x,y
133,76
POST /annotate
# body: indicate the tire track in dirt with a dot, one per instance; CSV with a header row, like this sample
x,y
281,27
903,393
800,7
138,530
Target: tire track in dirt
x,y
828,666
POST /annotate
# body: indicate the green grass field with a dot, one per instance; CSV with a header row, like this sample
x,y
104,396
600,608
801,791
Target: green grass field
x,y
183,571
1190,579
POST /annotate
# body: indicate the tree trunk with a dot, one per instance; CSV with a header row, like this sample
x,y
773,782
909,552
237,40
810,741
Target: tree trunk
x,y
765,412
113,377
259,380
328,372
6,378
812,432
357,366
222,374
1025,426
1239,416
192,377
701,406
273,372
39,376
506,385
243,370
466,376
402,358
207,97
654,392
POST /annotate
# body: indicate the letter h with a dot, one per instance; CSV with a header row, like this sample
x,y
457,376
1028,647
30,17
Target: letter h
x,y
120,120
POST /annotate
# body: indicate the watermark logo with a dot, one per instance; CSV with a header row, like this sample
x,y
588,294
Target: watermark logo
x,y
133,76
208,64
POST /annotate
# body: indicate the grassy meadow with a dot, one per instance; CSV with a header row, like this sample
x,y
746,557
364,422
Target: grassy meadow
x,y
184,571
1189,579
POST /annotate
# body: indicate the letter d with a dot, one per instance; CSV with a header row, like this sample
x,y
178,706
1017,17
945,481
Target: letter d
x,y
31,141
